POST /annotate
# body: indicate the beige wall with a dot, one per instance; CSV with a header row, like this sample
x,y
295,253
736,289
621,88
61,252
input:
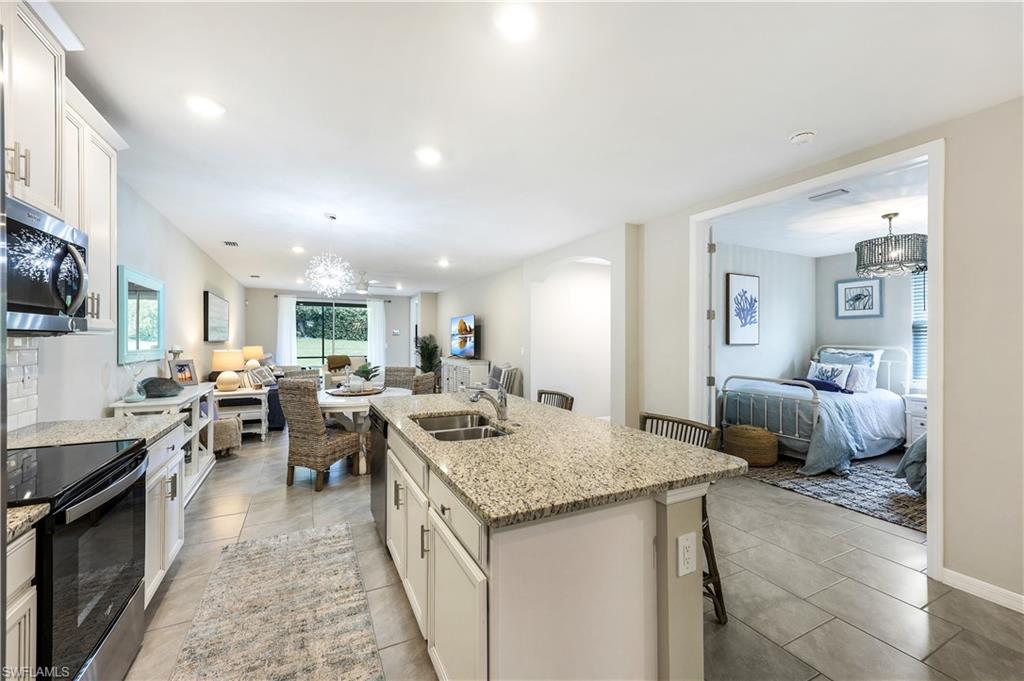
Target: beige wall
x,y
79,376
891,329
261,320
984,325
497,301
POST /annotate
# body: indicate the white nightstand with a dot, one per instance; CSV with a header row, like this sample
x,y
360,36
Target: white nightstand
x,y
254,416
917,415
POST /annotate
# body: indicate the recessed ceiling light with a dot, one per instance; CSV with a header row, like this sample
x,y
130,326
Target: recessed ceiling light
x,y
429,156
398,286
298,249
204,106
516,23
300,280
443,262
802,137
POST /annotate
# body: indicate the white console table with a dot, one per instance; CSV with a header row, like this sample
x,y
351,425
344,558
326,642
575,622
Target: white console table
x,y
199,458
254,416
457,372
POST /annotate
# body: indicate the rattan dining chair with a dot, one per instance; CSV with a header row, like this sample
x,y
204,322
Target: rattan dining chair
x,y
423,384
555,398
701,435
399,377
310,443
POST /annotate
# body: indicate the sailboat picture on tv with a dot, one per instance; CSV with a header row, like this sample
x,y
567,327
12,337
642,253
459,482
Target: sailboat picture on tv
x,y
464,336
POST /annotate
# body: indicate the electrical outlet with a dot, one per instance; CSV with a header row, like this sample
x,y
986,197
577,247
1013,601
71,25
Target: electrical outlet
x,y
686,545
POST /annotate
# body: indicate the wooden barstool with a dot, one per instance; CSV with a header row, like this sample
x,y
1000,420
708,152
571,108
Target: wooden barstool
x,y
555,399
701,435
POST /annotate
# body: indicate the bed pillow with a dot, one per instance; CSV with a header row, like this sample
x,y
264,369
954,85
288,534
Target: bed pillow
x,y
870,358
862,379
826,386
833,373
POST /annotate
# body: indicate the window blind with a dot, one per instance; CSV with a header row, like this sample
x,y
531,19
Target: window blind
x,y
919,332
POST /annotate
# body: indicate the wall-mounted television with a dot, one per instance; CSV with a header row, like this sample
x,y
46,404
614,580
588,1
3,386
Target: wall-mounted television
x,y
464,336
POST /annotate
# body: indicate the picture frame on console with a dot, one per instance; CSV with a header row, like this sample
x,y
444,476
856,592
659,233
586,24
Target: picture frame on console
x,y
183,371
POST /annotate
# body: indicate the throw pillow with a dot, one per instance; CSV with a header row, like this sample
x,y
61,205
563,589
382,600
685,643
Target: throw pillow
x,y
833,373
863,379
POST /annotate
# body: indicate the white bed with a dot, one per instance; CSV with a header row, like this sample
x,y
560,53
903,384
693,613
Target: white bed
x,y
863,425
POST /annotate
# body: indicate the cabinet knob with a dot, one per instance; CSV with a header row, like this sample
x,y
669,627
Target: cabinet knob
x,y
445,509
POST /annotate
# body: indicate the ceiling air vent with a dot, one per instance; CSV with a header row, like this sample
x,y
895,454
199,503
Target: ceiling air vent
x,y
254,276
233,244
824,196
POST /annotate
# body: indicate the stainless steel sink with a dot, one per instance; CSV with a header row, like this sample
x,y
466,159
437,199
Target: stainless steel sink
x,y
451,421
458,427
460,434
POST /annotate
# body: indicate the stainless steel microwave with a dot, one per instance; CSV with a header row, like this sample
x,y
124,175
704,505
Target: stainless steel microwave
x,y
47,273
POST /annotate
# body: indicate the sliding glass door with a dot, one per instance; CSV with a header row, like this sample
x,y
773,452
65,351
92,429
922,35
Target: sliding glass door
x,y
324,329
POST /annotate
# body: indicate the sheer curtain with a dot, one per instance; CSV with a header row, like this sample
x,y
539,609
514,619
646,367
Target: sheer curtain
x,y
376,332
286,343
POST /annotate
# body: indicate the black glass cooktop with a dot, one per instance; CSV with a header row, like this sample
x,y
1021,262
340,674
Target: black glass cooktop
x,y
38,475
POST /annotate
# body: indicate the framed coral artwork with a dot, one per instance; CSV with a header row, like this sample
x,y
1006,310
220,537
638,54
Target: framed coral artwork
x,y
743,302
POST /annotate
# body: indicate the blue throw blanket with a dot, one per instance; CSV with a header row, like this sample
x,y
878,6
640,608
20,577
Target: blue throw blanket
x,y
914,466
836,440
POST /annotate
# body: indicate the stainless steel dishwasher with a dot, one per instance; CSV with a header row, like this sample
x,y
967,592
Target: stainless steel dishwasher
x,y
378,472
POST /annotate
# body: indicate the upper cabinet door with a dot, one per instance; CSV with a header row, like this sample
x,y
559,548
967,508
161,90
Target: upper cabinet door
x,y
73,143
99,206
34,110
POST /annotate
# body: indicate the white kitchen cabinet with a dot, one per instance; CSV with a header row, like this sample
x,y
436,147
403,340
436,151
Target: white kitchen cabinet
x,y
417,548
99,221
73,143
33,110
165,508
456,607
21,608
89,189
396,514
174,508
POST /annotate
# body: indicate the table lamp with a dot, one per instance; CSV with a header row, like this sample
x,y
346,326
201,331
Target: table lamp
x,y
228,362
253,354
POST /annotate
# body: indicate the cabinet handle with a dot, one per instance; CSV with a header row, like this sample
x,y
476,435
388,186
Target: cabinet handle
x,y
423,542
398,501
173,447
16,150
445,509
172,483
27,177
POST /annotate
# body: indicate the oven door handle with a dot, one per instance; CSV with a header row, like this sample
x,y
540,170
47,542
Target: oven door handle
x,y
73,513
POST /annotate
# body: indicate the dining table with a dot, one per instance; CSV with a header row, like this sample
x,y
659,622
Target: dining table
x,y
351,411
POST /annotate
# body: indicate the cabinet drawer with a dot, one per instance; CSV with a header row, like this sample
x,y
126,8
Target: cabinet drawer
x,y
918,427
413,464
21,563
917,407
460,519
163,450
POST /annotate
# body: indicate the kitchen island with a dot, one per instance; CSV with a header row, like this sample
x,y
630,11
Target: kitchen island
x,y
561,547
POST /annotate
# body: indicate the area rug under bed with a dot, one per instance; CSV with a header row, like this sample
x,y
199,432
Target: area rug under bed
x,y
286,607
868,489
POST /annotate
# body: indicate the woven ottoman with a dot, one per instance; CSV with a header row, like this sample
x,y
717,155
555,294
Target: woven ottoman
x,y
757,446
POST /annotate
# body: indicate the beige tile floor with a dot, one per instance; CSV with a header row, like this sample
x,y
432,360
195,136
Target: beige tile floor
x,y
813,591
245,497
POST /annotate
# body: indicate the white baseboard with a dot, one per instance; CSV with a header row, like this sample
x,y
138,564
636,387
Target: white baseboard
x,y
990,592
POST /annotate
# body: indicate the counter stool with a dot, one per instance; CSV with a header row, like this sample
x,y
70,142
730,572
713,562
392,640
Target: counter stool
x,y
701,435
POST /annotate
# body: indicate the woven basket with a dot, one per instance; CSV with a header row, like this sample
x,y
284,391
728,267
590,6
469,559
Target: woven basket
x,y
758,446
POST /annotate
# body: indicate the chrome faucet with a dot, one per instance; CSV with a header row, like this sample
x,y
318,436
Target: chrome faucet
x,y
500,402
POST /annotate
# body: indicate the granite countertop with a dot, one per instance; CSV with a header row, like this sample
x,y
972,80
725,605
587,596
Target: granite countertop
x,y
20,519
52,433
552,461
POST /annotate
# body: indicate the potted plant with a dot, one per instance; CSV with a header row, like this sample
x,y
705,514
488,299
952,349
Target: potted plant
x,y
367,371
430,356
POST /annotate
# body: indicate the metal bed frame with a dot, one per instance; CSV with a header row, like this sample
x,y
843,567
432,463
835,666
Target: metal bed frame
x,y
752,401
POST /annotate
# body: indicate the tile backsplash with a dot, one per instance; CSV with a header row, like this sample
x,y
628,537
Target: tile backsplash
x,y
22,382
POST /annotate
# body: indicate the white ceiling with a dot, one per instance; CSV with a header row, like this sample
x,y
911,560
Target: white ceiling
x,y
613,113
834,225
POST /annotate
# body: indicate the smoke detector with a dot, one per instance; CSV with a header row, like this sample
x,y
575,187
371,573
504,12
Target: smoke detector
x,y
802,137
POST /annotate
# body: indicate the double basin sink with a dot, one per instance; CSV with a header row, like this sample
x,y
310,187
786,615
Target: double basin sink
x,y
458,427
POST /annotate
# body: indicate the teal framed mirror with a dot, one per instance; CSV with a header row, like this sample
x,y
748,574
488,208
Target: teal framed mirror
x,y
140,317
